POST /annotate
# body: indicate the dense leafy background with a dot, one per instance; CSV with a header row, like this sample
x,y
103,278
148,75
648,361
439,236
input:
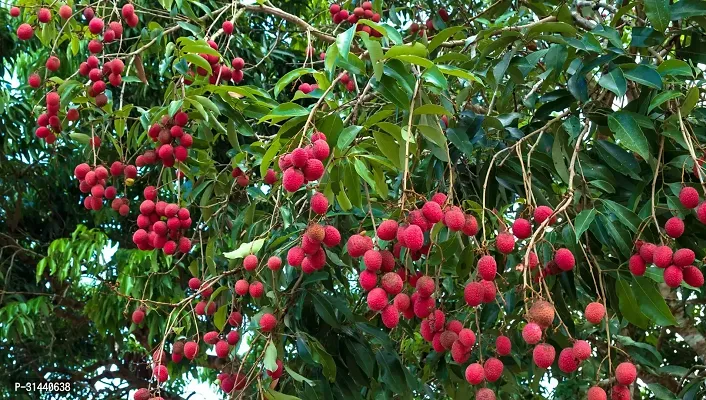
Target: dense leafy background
x,y
596,105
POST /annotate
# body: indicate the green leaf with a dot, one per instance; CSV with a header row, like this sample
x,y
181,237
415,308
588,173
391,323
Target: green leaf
x,y
421,61
185,25
376,55
645,75
434,134
663,97
206,103
245,249
661,392
219,318
324,309
175,106
289,77
298,377
365,173
657,12
389,148
629,133
198,61
618,158
416,49
431,109
692,97
615,82
651,302
80,137
675,67
286,110
442,36
459,73
271,357
272,394
271,152
343,42
687,8
583,221
628,305
627,217
346,137
552,27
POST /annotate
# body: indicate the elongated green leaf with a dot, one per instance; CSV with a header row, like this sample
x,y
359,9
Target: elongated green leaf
x,y
583,221
290,77
663,97
431,109
692,97
645,75
389,148
198,61
442,36
627,217
343,42
376,55
272,394
687,8
652,303
271,357
271,152
298,377
658,13
629,133
629,306
347,136
415,49
245,249
615,82
552,27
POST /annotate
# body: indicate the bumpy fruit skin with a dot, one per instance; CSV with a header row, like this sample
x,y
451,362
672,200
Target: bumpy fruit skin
x,y
647,251
505,243
387,230
256,289
503,346
470,226
413,237
402,302
357,245
390,316
426,286
250,262
423,306
473,294
319,204
210,337
521,228
637,265
268,322
138,316
432,211
459,352
683,257
564,259
475,374
142,394
487,268
595,312
597,393
693,276
689,197
541,214
368,280
161,373
493,369
626,373
567,362
191,349
542,313
467,338
377,299
532,333
222,349
620,392
372,260
292,179
700,212
25,32
392,283
673,276
332,237
674,227
581,350
242,287
485,394
235,318
295,256
454,219
543,355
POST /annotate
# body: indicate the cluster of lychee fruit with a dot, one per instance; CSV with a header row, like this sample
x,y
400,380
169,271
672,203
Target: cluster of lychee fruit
x,y
173,143
365,11
347,81
220,73
49,123
677,265
93,182
310,254
112,70
416,28
162,225
304,164
307,88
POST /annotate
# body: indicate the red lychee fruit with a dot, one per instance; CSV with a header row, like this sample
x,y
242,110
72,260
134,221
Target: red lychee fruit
x,y
256,289
222,349
567,362
437,320
268,322
470,226
594,312
475,374
455,219
372,260
693,276
142,394
138,316
597,393
439,198
673,276
619,392
242,287
689,197
674,227
626,373
493,369
320,149
637,265
436,343
662,256
377,299
459,352
387,230
542,312
276,374
487,268
647,252
503,346
211,337
390,316
358,245
473,294
543,355
684,257
44,15
235,318
319,204
295,256
95,25
15,12
232,338
581,350
426,286
564,259
25,32
274,263
700,212
402,302
250,262
392,283
53,64
532,333
467,338
485,394
432,212
521,228
541,214
292,179
331,236
161,373
34,80
423,306
413,237
368,280
505,243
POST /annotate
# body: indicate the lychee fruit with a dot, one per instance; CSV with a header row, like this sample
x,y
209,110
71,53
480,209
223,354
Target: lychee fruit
x,y
594,312
232,338
493,369
319,204
25,32
673,276
503,346
597,393
532,333
637,265
581,350
138,316
292,179
235,318
448,338
390,316
542,312
423,306
662,256
475,374
268,322
242,287
256,289
485,394
426,286
489,291
567,362
543,355
505,243
521,228
647,252
392,283
432,212
377,299
625,373
358,244
459,352
142,394
413,237
402,302
674,227
487,268
295,256
454,219
467,337
274,263
620,392
683,257
693,276
387,230
564,259
541,214
473,294
470,227
160,372
372,260
368,280
222,349
331,236
689,197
